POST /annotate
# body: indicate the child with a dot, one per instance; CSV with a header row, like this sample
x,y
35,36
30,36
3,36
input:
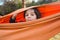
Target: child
x,y
32,14
29,15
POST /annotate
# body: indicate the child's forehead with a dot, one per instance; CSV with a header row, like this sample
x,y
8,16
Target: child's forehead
x,y
30,10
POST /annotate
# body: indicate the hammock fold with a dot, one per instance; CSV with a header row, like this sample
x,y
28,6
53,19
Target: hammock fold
x,y
40,29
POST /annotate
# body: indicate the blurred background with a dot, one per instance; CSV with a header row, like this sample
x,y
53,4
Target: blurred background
x,y
8,6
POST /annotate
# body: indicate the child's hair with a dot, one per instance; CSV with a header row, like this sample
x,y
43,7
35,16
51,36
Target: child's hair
x,y
38,14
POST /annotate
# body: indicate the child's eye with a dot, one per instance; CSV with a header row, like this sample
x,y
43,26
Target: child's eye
x,y
26,15
32,14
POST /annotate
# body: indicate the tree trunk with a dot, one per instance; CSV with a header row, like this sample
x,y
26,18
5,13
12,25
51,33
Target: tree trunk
x,y
23,4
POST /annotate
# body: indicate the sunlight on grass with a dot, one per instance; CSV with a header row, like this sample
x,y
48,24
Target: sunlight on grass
x,y
56,37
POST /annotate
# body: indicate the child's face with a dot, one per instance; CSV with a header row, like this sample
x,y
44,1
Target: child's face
x,y
30,15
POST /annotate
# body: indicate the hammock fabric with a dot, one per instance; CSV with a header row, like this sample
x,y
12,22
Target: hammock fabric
x,y
40,29
45,10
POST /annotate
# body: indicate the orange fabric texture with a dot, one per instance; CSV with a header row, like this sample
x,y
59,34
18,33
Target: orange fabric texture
x,y
45,10
40,29
49,9
5,19
20,17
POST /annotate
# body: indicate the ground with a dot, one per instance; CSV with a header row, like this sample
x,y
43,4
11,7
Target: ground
x,y
56,37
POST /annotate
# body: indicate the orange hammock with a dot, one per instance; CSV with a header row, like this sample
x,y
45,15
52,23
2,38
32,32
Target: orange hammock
x,y
40,29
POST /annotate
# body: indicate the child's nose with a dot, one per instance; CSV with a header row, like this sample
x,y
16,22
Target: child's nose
x,y
29,16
